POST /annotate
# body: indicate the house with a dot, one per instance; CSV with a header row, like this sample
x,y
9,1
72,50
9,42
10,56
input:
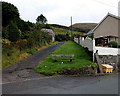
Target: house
x,y
50,32
106,30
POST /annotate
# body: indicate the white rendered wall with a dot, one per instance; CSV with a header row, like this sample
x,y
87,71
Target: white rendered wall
x,y
90,44
107,51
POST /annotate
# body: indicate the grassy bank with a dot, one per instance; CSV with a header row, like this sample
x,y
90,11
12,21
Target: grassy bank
x,y
12,54
63,31
81,59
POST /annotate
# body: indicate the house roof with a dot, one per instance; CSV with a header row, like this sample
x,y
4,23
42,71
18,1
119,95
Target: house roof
x,y
90,32
49,31
109,14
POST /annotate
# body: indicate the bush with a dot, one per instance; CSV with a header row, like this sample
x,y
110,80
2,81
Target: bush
x,y
21,44
5,41
5,33
118,45
14,32
62,37
8,50
32,51
113,44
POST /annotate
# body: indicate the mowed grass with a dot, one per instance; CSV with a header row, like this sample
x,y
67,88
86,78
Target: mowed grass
x,y
81,59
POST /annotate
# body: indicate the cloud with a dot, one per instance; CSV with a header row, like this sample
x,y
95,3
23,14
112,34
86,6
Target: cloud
x,y
60,11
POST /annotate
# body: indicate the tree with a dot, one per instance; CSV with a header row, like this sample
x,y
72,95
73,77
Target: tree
x,y
41,19
14,33
5,33
23,25
9,13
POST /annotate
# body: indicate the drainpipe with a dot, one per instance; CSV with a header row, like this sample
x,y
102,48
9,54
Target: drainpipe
x,y
93,49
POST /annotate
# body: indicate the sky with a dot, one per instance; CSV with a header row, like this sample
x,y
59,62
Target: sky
x,y
60,11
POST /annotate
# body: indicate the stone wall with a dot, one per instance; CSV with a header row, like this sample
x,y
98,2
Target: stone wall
x,y
79,71
109,59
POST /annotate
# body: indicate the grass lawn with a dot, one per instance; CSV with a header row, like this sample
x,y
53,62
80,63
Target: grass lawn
x,y
81,59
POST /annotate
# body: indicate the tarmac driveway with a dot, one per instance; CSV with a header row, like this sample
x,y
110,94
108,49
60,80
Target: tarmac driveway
x,y
23,70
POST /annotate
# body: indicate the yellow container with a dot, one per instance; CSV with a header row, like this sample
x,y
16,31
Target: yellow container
x,y
107,68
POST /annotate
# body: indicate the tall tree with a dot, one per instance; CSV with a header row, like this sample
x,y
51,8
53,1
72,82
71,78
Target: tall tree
x,y
9,13
41,19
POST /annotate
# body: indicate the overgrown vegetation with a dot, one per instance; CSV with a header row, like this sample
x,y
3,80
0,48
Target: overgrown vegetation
x,y
81,59
14,52
20,38
23,38
62,37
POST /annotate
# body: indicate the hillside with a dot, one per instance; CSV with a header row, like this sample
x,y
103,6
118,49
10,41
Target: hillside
x,y
63,31
60,29
59,26
83,27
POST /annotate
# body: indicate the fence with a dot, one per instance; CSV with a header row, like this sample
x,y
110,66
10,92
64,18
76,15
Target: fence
x,y
85,42
90,44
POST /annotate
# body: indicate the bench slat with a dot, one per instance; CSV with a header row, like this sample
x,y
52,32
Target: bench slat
x,y
62,57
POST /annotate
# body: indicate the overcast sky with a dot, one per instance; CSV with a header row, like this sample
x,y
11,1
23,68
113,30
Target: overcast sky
x,y
60,11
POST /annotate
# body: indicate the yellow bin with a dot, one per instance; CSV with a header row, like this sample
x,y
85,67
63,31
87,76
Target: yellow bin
x,y
107,68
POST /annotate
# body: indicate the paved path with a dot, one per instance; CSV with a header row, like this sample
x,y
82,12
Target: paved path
x,y
23,70
65,85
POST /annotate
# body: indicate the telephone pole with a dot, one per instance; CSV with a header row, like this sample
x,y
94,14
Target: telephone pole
x,y
71,25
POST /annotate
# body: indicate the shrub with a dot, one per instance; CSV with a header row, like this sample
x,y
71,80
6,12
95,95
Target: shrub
x,y
5,32
14,32
5,41
118,45
91,36
21,44
113,44
32,51
61,37
8,50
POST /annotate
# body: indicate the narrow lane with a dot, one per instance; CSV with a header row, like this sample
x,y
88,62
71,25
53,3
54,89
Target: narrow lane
x,y
24,69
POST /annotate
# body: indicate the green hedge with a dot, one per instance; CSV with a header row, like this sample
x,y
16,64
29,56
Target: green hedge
x,y
114,44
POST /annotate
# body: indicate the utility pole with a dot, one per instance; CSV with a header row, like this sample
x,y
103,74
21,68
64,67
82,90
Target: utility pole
x,y
71,25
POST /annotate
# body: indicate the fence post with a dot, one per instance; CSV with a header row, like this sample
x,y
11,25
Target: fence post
x,y
78,40
93,49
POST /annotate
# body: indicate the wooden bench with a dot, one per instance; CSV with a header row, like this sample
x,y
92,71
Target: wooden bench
x,y
63,57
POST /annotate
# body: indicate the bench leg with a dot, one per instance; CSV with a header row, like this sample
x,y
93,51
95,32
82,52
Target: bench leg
x,y
70,60
55,60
